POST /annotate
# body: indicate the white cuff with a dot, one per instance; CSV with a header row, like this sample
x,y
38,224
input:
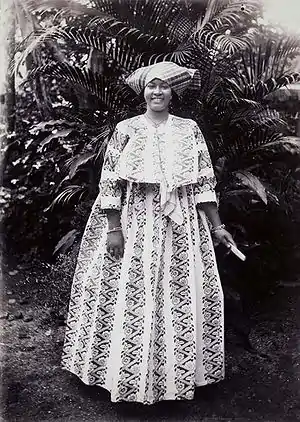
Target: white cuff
x,y
208,196
110,202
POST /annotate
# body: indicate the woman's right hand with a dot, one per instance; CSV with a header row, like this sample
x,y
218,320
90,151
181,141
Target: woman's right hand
x,y
115,244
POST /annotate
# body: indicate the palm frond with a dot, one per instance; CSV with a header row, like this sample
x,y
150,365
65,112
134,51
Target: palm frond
x,y
73,164
268,60
228,94
114,28
253,183
284,144
251,119
32,42
67,194
119,50
169,19
179,28
214,68
241,131
228,42
238,89
284,80
125,50
63,6
113,95
129,50
182,57
240,147
100,141
224,14
66,242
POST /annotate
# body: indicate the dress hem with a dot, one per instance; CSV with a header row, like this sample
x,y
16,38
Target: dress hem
x,y
171,397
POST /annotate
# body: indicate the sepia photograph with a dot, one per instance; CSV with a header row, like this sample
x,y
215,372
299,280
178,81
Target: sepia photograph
x,y
150,210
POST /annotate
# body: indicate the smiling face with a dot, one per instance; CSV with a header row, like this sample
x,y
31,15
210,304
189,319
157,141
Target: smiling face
x,y
157,95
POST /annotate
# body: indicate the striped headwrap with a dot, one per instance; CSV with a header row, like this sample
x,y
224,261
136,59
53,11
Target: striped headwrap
x,y
177,77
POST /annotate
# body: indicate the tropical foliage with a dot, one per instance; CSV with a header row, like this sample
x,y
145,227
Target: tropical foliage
x,y
77,56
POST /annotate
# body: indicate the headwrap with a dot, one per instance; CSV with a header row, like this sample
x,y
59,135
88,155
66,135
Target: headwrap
x,y
177,77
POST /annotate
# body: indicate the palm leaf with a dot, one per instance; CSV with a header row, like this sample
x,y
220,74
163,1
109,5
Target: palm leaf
x,y
70,7
182,57
34,41
169,19
253,182
114,28
227,42
68,193
112,94
233,12
254,118
66,242
74,163
119,50
261,136
238,89
285,144
100,141
124,50
224,14
240,132
241,148
268,60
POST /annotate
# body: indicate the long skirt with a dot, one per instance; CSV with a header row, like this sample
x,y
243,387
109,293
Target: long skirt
x,y
148,326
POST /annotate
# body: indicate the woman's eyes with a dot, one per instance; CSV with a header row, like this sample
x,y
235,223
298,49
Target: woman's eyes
x,y
161,86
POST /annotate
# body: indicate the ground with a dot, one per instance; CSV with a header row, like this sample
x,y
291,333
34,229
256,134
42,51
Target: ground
x,y
261,386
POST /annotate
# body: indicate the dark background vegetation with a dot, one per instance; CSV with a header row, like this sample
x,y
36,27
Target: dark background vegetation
x,y
65,92
71,93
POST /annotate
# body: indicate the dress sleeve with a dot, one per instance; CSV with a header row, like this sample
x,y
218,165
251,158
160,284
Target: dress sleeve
x,y
110,187
205,187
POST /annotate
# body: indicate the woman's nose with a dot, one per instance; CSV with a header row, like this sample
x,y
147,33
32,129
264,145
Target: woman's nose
x,y
157,89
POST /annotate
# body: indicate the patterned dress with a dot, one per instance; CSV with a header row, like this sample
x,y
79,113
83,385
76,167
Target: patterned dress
x,y
148,326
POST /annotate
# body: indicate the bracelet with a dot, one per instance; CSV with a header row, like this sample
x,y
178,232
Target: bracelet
x,y
115,229
220,227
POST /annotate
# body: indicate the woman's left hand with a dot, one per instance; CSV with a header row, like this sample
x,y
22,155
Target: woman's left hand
x,y
224,237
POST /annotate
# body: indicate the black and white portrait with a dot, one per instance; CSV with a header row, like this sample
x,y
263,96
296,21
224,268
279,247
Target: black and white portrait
x,y
150,198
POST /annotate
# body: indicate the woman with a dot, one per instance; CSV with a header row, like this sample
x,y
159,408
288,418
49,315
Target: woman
x,y
146,310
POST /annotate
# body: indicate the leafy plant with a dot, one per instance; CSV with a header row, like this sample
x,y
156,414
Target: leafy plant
x,y
104,40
